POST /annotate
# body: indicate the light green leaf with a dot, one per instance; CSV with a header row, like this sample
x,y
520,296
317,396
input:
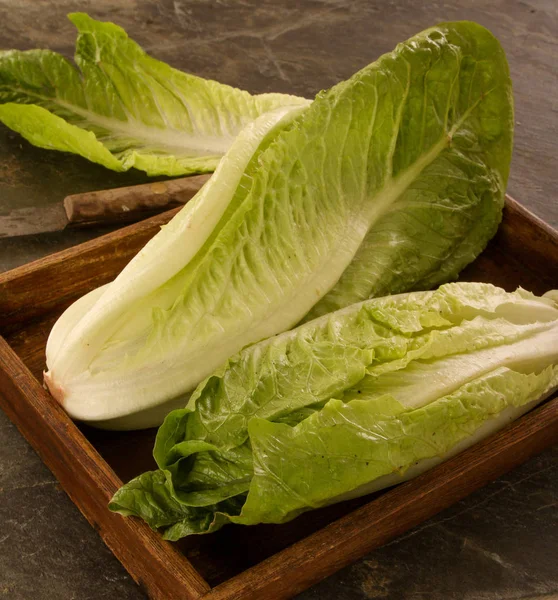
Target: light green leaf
x,y
46,130
124,109
345,446
448,171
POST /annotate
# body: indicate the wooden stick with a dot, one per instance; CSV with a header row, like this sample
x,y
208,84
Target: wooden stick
x,y
127,204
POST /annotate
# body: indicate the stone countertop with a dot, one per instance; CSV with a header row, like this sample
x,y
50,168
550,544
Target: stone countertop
x,y
501,542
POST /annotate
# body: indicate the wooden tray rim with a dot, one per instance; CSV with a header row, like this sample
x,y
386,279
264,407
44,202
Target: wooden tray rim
x,y
305,562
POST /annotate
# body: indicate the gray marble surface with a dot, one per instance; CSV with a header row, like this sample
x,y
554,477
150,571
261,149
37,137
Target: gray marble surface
x,y
501,542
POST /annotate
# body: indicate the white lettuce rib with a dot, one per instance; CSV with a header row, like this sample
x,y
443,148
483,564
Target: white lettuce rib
x,y
538,349
489,427
174,141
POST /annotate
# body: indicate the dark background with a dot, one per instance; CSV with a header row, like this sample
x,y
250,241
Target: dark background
x,y
501,542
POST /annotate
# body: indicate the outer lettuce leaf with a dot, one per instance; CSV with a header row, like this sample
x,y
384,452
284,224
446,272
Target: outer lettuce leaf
x,y
455,134
345,446
347,404
124,109
151,496
283,218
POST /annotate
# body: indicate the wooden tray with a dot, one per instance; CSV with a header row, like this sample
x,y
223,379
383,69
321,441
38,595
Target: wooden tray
x,y
262,562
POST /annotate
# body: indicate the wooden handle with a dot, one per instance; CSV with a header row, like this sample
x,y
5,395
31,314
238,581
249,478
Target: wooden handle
x,y
128,204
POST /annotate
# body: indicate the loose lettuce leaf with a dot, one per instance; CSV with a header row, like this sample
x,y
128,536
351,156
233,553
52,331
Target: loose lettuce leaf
x,y
425,128
347,404
122,108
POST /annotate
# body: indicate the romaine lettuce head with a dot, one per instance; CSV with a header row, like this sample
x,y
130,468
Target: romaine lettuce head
x,y
122,108
390,181
347,404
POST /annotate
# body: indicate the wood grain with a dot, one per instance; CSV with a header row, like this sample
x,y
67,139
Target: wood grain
x,y
261,561
90,482
523,235
524,252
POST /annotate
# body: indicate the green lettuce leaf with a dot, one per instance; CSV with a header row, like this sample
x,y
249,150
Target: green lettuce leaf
x,y
347,404
454,144
122,108
345,446
287,213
